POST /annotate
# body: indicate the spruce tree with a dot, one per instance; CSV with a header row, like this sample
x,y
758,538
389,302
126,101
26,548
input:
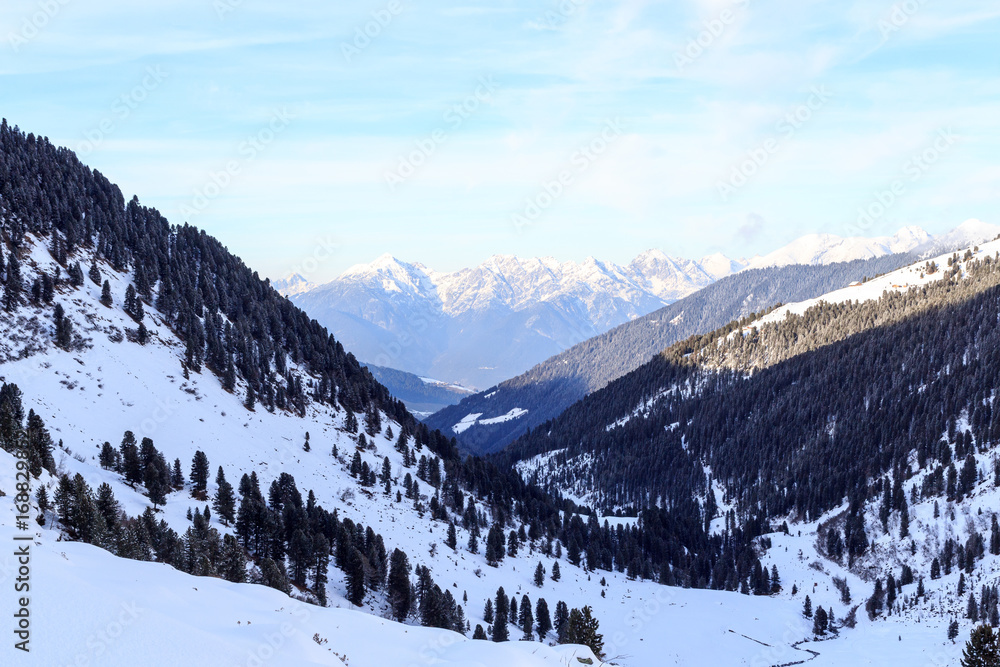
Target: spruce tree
x,y
982,649
539,574
555,571
526,619
225,500
106,294
12,285
543,622
501,610
199,473
399,585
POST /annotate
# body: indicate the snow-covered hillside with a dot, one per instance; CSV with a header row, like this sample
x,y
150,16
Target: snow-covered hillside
x,y
110,384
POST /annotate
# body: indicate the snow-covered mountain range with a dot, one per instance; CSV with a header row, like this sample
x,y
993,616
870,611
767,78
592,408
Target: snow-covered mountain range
x,y
478,326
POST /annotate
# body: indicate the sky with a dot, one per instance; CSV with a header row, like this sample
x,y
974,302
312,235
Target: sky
x,y
314,135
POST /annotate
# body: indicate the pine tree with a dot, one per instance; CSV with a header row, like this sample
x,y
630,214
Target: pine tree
x,y
539,574
820,621
106,294
154,487
64,328
399,585
108,457
177,476
583,629
953,631
94,274
501,610
525,619
807,608
12,285
225,500
451,541
199,473
543,622
562,622
233,563
982,649
479,633
488,611
555,571
355,575
131,463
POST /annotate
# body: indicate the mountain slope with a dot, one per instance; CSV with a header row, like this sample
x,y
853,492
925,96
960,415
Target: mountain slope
x,y
552,386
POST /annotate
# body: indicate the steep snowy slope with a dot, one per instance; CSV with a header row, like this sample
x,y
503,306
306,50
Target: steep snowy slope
x,y
109,384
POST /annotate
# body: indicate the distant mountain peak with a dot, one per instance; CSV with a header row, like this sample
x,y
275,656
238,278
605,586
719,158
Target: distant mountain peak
x,y
293,283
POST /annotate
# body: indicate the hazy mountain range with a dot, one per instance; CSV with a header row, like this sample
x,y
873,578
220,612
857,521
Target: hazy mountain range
x,y
480,325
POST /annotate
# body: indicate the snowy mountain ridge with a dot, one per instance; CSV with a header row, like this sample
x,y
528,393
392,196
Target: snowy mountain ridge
x,y
484,324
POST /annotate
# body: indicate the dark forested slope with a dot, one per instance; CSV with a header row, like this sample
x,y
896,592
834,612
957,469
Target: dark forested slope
x,y
552,386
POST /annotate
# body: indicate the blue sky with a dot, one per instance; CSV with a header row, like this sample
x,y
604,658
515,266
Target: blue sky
x,y
455,130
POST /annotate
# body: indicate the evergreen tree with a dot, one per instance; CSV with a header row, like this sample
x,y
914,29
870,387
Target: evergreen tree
x,y
451,541
13,286
982,649
501,610
154,487
583,629
225,500
820,620
555,571
94,274
177,476
108,457
807,608
539,574
199,473
131,463
526,619
488,611
106,294
562,622
399,585
64,328
272,574
233,562
543,622
42,498
953,631
479,633
355,575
